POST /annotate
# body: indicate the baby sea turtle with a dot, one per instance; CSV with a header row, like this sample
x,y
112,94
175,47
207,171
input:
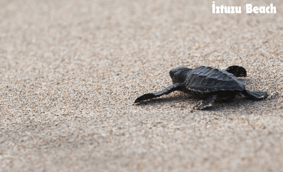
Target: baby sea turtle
x,y
208,83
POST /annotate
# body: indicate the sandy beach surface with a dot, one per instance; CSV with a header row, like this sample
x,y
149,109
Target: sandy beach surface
x,y
70,71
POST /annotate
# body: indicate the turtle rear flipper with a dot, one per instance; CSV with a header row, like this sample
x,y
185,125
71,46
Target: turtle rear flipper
x,y
174,87
207,103
237,71
255,94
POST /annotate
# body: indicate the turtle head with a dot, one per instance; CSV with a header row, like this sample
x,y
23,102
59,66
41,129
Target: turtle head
x,y
179,75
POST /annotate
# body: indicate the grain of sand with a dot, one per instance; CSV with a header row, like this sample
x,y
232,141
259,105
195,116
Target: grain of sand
x,y
71,70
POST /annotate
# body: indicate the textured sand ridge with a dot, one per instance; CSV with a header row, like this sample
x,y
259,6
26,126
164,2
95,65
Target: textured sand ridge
x,y
71,70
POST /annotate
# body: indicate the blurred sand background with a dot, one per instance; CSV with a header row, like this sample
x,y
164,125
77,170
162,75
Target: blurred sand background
x,y
71,70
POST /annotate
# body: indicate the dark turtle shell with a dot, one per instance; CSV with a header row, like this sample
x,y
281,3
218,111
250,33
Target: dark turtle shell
x,y
207,79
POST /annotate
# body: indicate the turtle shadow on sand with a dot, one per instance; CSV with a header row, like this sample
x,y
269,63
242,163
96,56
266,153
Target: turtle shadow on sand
x,y
209,84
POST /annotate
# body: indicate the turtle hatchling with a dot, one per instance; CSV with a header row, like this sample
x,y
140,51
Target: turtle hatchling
x,y
209,84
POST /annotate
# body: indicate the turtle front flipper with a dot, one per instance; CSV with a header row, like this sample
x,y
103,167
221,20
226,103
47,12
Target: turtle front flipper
x,y
174,87
207,103
237,71
257,95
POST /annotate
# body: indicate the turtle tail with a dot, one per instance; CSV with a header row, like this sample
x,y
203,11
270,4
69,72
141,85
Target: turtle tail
x,y
257,95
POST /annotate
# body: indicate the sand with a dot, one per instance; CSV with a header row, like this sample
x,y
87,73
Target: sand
x,y
71,70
